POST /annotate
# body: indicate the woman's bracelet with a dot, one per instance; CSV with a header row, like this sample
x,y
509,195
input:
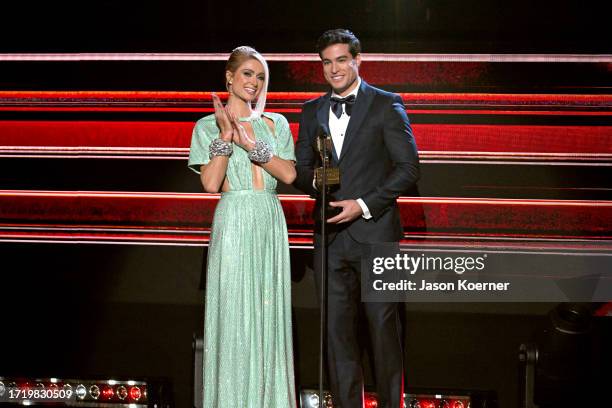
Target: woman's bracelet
x,y
219,147
261,153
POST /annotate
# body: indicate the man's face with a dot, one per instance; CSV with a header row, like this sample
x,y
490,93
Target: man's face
x,y
340,68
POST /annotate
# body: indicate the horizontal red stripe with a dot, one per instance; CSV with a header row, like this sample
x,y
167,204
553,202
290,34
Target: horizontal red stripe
x,y
411,109
311,57
95,134
495,217
429,137
102,109
117,97
514,138
416,110
421,73
560,245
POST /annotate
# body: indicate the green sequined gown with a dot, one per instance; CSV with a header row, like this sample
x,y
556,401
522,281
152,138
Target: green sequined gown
x,y
248,354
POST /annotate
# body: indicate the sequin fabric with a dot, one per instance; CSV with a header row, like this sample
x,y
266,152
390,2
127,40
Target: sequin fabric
x,y
248,348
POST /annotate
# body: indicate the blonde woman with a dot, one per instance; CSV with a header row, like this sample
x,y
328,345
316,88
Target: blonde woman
x,y
242,151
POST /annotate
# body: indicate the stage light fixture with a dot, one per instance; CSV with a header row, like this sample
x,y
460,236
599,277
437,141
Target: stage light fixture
x,y
458,404
370,400
94,391
122,392
558,365
107,392
428,404
135,393
309,398
414,403
81,391
313,400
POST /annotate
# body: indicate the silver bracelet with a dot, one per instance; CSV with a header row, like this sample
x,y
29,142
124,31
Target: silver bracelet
x,y
261,153
219,147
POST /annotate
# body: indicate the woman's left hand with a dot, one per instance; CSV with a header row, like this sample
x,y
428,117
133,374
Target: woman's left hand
x,y
240,137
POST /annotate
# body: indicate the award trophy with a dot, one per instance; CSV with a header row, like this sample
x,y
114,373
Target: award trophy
x,y
327,177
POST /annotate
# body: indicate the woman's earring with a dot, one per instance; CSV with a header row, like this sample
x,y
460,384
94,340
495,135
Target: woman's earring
x,y
229,88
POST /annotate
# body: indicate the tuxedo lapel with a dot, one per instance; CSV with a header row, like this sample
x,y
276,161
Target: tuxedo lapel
x,y
365,96
323,118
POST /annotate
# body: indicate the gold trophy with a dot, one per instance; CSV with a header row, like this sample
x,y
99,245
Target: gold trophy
x,y
326,174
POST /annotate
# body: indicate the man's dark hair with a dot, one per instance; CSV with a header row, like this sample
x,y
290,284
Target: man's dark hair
x,y
339,36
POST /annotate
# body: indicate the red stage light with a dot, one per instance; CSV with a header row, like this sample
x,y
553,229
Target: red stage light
x,y
25,386
107,392
122,392
135,393
458,404
370,401
427,404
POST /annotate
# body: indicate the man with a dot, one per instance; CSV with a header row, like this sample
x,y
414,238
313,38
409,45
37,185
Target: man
x,y
375,151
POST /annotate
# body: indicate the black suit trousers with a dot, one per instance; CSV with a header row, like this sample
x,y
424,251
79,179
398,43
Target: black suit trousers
x,y
343,350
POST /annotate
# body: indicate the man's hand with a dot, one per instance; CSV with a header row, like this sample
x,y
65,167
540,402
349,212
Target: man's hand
x,y
350,211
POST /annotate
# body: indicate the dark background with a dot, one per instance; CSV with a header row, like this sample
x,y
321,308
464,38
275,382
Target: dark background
x,y
478,26
121,310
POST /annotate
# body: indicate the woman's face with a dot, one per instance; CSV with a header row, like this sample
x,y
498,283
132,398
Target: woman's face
x,y
248,80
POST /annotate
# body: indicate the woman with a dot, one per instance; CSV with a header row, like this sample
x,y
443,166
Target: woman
x,y
248,355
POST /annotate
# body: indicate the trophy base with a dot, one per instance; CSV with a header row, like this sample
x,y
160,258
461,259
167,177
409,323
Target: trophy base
x,y
332,176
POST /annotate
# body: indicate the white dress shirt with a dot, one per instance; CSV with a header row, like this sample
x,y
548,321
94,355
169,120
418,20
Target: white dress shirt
x,y
337,126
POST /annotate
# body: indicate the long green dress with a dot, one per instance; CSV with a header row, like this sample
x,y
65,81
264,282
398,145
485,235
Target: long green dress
x,y
248,354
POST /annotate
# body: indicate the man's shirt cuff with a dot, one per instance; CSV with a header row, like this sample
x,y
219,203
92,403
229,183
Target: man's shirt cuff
x,y
364,209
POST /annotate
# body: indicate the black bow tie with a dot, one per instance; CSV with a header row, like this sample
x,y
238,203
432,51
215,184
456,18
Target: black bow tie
x,y
336,105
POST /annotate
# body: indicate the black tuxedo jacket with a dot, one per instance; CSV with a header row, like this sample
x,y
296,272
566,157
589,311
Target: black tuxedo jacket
x,y
378,161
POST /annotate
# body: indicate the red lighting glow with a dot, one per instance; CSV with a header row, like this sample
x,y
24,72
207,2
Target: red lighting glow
x,y
25,386
135,393
427,404
122,392
370,401
458,404
107,392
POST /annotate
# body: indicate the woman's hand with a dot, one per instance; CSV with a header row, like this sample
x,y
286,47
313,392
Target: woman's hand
x,y
240,137
223,121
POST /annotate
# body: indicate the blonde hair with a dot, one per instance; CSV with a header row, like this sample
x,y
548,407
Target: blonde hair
x,y
236,58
